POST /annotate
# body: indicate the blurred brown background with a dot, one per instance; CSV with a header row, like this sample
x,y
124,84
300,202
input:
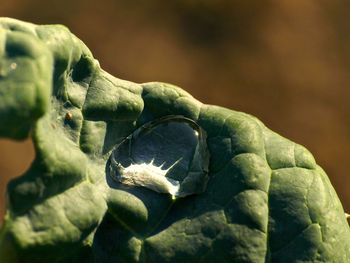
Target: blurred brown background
x,y
286,62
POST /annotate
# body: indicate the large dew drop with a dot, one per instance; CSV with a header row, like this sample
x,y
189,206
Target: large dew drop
x,y
167,155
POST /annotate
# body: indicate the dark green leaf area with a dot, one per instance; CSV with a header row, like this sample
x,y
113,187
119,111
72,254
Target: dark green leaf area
x,y
69,53
248,208
18,44
185,239
283,153
25,82
109,98
139,210
163,99
113,243
303,216
301,200
55,169
92,137
290,217
222,145
243,172
54,252
205,229
303,248
83,69
41,237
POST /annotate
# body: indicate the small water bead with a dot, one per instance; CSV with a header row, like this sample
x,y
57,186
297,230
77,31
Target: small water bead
x,y
13,65
6,68
167,155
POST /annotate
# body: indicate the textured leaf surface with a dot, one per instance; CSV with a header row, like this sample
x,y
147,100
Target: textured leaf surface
x,y
266,199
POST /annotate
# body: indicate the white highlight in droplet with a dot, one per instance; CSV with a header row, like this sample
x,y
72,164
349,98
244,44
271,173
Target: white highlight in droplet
x,y
150,176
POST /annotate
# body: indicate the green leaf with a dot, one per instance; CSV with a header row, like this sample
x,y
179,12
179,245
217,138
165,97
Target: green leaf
x,y
261,197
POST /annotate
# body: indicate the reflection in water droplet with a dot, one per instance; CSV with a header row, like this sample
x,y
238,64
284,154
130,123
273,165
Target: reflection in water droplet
x,y
167,155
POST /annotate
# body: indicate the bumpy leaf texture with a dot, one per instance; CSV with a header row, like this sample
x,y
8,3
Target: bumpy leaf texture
x,y
265,200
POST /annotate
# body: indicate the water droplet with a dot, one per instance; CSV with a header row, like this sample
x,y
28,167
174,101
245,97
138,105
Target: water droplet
x,y
13,65
7,67
167,155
